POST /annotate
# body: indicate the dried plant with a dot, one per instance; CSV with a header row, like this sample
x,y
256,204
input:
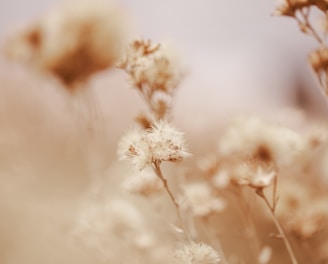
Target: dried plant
x,y
259,196
155,71
301,10
196,254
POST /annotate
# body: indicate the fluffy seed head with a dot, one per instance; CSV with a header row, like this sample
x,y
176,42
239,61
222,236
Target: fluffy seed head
x,y
196,253
153,67
160,143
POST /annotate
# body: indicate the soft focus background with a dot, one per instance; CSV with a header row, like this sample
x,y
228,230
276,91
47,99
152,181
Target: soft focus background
x,y
240,58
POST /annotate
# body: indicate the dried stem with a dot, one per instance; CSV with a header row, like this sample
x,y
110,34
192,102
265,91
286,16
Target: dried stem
x,y
308,26
274,194
282,234
158,171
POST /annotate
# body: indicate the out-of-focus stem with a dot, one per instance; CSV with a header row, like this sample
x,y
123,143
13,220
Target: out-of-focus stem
x,y
158,171
282,234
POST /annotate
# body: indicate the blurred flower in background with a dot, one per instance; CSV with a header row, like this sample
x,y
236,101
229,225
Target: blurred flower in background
x,y
61,181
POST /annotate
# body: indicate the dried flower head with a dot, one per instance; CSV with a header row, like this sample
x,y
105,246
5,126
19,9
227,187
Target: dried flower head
x,y
73,41
319,62
144,183
160,143
153,67
264,141
196,253
201,199
319,59
155,71
254,174
290,7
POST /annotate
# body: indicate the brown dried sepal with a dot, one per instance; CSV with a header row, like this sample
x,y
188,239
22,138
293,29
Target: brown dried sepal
x,y
290,7
143,121
319,59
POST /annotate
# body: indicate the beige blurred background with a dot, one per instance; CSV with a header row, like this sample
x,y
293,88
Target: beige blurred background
x,y
238,52
241,60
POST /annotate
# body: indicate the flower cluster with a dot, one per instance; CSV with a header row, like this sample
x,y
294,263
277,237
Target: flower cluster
x,y
154,67
159,143
155,71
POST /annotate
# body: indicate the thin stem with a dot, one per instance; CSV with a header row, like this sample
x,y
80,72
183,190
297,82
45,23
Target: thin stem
x,y
158,171
326,82
274,194
282,234
307,24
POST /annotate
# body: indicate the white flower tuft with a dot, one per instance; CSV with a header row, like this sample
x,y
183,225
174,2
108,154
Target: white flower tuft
x,y
196,253
156,66
160,143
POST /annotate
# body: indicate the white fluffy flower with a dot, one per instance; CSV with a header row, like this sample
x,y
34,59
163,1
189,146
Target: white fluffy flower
x,y
161,142
196,253
167,144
